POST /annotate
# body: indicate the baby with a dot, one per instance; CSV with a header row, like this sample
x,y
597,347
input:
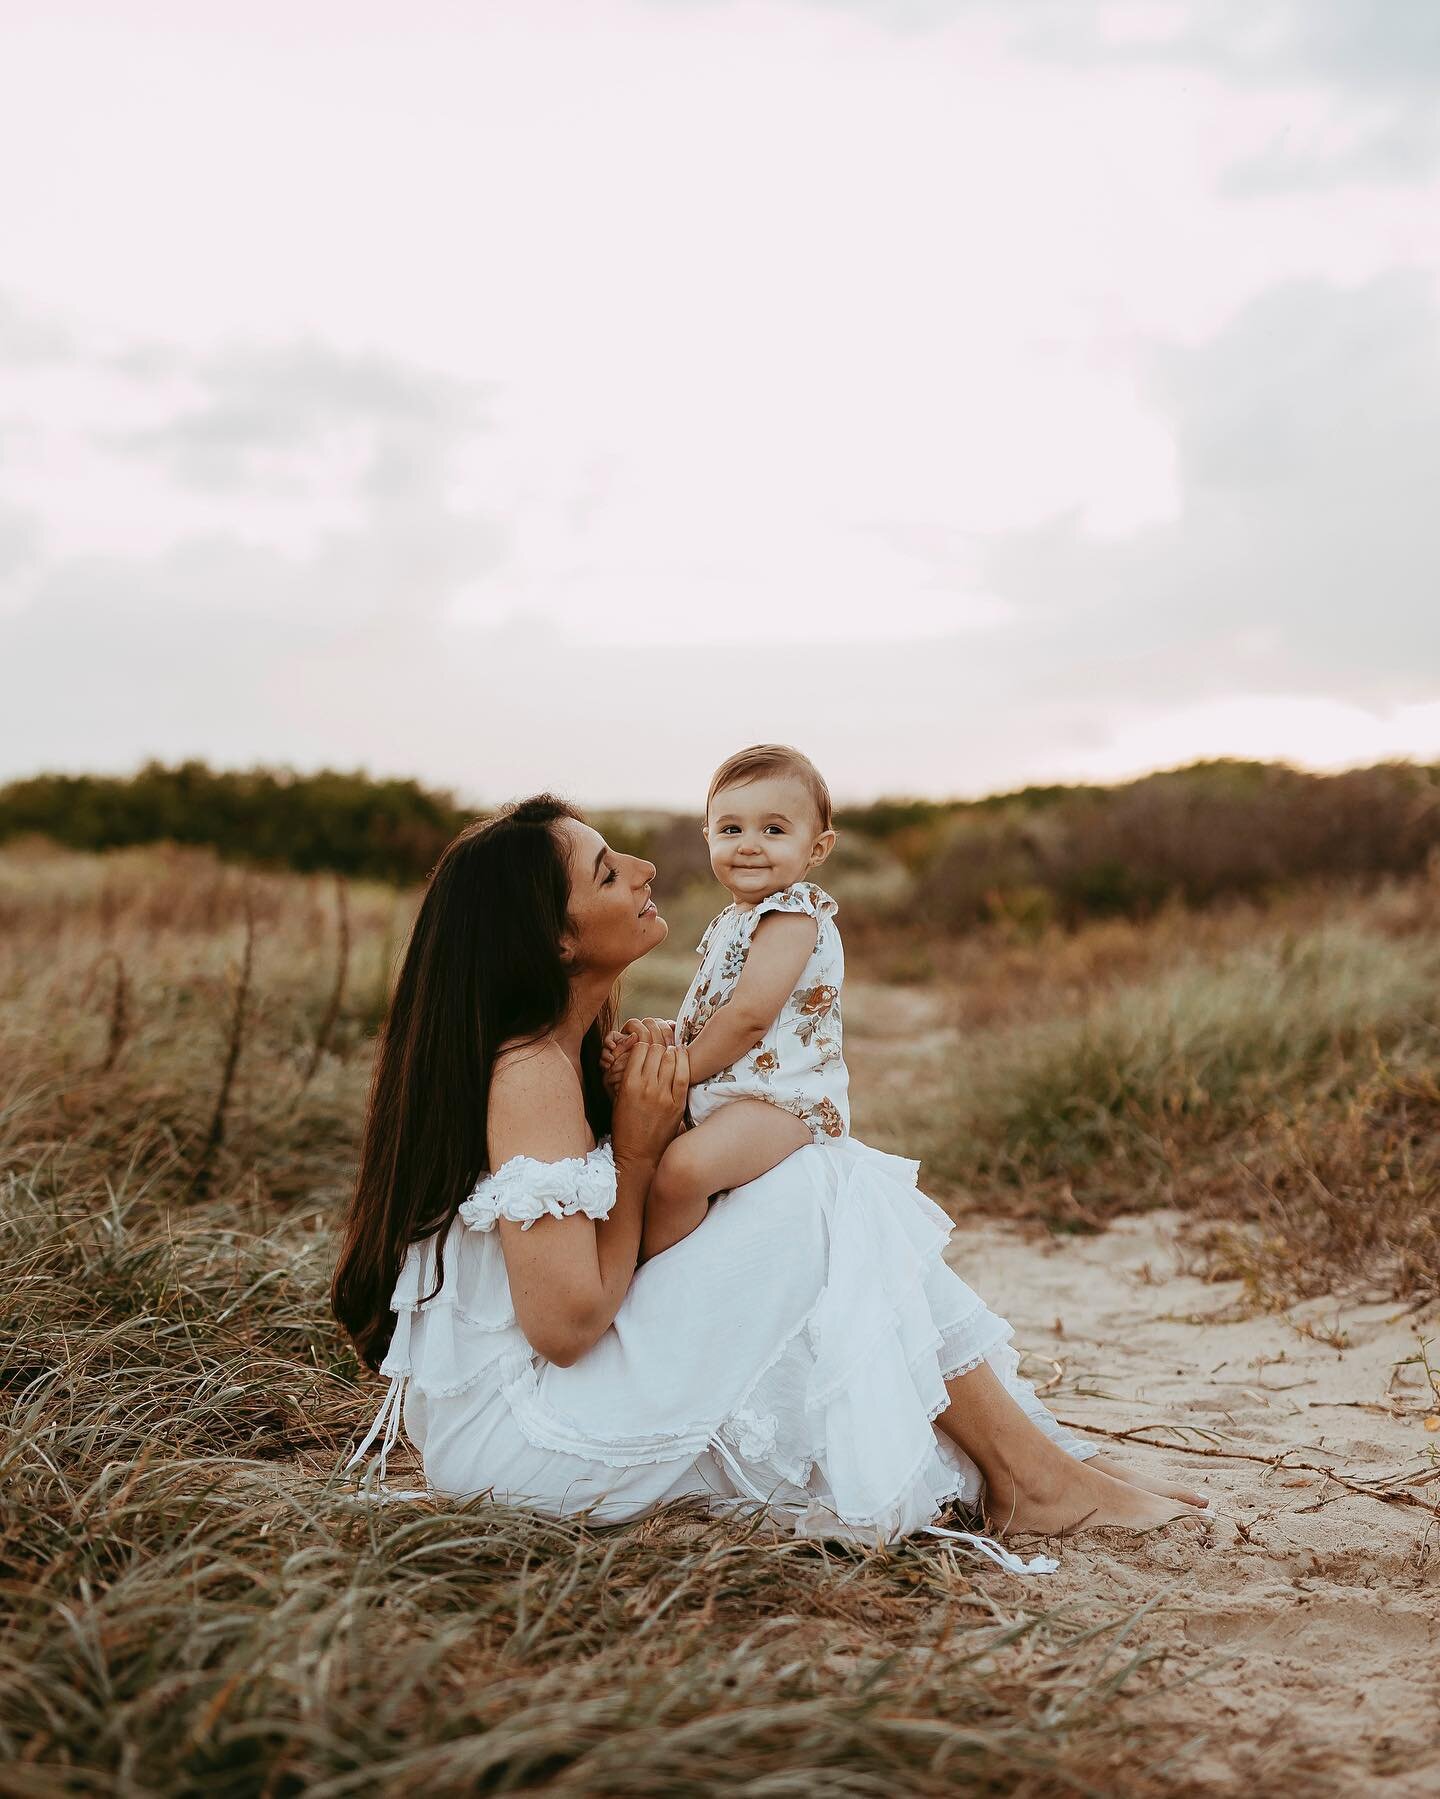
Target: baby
x,y
761,1022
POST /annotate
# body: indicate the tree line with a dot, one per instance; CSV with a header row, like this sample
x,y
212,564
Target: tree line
x,y
1195,834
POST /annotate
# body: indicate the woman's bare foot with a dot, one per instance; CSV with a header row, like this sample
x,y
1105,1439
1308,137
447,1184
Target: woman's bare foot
x,y
1167,1489
1078,1498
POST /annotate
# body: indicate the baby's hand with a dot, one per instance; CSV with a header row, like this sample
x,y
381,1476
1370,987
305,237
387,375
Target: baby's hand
x,y
615,1051
651,1030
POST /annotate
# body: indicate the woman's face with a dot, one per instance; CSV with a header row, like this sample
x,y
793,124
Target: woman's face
x,y
612,917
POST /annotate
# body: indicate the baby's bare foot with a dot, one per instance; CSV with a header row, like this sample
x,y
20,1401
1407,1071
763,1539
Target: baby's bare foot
x,y
1132,1477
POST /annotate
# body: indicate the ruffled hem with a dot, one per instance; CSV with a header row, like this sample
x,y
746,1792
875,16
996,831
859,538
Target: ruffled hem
x,y
441,1341
952,1483
840,1414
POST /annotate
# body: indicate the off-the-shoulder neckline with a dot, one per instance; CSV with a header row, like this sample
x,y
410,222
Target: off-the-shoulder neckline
x,y
602,1148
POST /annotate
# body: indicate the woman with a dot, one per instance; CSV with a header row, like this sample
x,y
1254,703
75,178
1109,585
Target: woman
x,y
798,1350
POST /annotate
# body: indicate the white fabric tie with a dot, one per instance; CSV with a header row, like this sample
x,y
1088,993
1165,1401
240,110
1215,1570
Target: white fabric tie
x,y
1002,1557
387,1419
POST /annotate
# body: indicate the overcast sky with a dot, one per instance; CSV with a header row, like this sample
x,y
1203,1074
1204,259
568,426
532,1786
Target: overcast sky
x,y
537,394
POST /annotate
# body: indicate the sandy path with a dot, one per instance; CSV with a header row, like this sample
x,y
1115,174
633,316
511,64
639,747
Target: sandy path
x,y
1305,1640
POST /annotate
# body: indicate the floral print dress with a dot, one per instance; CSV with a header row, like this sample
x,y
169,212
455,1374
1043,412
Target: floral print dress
x,y
799,1065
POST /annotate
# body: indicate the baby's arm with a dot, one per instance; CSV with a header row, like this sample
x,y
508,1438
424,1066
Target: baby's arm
x,y
782,945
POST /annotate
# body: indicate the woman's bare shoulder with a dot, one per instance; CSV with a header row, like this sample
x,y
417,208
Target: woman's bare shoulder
x,y
537,1107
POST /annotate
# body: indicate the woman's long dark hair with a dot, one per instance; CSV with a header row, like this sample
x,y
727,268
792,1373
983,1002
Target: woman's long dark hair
x,y
483,966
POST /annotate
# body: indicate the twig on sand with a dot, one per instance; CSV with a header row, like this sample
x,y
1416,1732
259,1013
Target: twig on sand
x,y
1388,1488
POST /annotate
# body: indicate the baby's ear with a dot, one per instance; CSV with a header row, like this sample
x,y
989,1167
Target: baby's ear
x,y
824,843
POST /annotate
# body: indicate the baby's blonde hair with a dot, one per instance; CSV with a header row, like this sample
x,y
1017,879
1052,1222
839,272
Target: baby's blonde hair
x,y
771,759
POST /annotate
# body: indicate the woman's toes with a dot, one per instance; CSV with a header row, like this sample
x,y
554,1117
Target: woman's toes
x,y
1187,1494
1184,1515
1165,1488
1100,1501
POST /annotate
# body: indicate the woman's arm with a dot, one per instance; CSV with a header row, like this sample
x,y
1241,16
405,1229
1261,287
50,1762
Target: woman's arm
x,y
781,947
569,1275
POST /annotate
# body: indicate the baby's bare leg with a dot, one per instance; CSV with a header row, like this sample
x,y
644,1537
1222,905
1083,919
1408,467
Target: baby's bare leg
x,y
743,1140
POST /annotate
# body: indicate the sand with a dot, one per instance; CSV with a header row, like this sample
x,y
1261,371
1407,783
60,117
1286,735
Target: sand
x,y
1303,1640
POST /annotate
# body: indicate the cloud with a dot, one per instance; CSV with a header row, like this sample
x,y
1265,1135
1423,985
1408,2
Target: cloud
x,y
30,338
1300,569
1299,563
1379,64
287,473
21,537
496,710
1304,556
255,405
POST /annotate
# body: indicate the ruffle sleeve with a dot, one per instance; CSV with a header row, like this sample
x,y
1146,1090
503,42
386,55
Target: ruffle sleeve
x,y
703,946
523,1190
804,897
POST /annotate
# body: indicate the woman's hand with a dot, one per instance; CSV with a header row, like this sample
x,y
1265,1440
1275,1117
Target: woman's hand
x,y
650,1103
617,1045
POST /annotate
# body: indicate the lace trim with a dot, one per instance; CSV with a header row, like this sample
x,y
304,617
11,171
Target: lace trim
x,y
955,1481
524,1189
443,1301
952,1485
752,1430
751,1434
858,1352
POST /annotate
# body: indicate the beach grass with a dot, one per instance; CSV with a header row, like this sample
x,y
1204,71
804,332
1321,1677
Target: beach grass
x,y
1281,1087
195,1599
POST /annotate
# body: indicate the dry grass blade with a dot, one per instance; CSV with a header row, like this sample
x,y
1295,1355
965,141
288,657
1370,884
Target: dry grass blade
x,y
215,1135
119,1009
337,992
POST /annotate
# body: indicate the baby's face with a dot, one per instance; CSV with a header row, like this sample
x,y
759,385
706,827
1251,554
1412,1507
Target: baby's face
x,y
764,836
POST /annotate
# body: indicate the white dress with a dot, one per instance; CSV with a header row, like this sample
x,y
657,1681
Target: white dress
x,y
790,1354
799,1065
